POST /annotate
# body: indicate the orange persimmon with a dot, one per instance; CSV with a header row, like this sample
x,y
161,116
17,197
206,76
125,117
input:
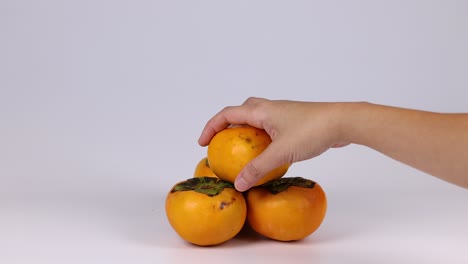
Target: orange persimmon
x,y
206,211
233,147
203,169
286,209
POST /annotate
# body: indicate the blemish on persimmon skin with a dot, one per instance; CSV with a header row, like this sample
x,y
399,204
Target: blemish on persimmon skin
x,y
223,204
246,138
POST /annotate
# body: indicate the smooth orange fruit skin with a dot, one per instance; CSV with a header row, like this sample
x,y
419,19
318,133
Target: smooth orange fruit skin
x,y
232,148
290,215
206,220
203,169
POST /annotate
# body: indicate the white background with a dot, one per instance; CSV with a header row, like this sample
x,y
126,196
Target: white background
x,y
101,104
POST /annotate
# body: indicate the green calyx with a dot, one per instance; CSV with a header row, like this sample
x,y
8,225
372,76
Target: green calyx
x,y
282,184
207,185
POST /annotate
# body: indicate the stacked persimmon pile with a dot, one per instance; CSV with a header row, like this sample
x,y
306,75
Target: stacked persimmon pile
x,y
207,210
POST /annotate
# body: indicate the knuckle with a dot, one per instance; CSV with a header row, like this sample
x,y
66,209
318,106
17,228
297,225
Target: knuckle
x,y
227,108
260,111
250,100
253,100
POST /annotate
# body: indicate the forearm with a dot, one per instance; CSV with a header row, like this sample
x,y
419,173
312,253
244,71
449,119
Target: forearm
x,y
431,142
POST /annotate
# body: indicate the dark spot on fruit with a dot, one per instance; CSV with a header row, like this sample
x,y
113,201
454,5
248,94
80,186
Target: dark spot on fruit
x,y
224,204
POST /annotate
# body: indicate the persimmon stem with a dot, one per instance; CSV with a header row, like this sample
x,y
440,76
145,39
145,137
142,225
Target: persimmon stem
x,y
206,185
282,184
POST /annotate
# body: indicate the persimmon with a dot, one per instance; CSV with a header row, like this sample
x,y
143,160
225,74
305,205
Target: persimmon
x,y
203,169
233,147
206,211
286,209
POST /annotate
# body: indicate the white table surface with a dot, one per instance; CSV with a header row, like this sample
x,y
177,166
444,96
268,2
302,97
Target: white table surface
x,y
131,227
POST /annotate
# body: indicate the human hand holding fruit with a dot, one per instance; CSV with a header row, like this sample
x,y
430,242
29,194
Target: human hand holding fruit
x,y
290,125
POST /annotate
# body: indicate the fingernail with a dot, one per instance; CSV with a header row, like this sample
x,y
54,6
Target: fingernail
x,y
241,185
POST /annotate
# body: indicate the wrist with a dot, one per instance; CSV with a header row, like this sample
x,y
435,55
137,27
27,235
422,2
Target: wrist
x,y
351,119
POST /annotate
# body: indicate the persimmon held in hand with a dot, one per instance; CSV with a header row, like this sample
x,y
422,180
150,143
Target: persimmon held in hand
x,y
233,147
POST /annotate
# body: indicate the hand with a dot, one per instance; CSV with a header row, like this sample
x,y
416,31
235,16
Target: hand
x,y
299,131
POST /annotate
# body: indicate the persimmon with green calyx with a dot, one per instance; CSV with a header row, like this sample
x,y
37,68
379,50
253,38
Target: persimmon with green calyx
x,y
206,211
286,209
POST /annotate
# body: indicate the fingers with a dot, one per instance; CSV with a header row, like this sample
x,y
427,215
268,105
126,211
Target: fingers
x,y
237,115
268,160
340,145
229,115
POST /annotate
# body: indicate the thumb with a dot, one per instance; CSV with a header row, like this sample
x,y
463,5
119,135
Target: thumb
x,y
272,157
